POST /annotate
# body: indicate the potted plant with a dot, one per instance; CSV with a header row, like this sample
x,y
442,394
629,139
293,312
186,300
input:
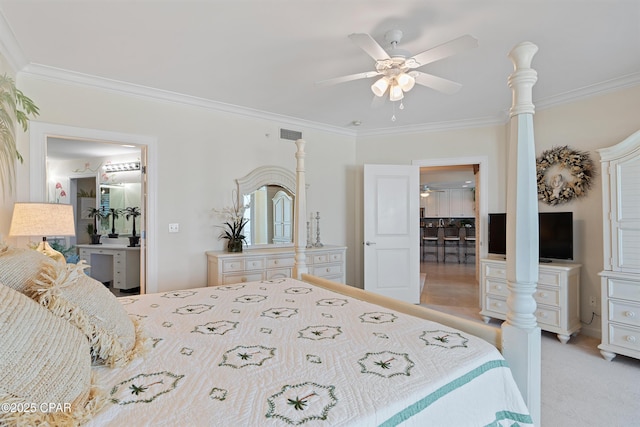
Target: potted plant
x,y
14,106
96,214
132,212
115,214
233,225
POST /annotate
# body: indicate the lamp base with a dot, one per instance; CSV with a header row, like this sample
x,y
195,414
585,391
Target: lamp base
x,y
47,250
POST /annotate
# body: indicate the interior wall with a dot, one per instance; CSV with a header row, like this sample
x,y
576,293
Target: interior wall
x,y
201,152
590,124
7,199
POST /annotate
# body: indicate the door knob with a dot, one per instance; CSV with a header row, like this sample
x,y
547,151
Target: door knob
x,y
368,243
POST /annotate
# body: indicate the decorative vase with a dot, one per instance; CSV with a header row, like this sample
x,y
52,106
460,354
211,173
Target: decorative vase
x,y
133,241
95,239
234,245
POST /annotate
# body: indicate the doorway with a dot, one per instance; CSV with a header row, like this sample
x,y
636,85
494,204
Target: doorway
x,y
43,134
440,273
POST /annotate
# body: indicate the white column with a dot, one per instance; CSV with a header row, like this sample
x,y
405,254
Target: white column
x,y
520,332
300,226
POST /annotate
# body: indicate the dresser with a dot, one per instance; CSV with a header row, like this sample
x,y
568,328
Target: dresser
x,y
557,295
225,268
620,278
118,264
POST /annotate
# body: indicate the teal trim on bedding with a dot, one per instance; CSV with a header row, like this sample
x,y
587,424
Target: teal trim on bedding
x,y
512,416
423,403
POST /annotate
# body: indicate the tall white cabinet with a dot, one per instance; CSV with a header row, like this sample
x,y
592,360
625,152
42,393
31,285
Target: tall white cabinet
x,y
620,279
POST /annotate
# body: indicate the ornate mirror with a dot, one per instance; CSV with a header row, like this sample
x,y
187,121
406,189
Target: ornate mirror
x,y
269,191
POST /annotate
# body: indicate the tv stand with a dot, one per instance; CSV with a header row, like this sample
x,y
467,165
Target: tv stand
x,y
557,295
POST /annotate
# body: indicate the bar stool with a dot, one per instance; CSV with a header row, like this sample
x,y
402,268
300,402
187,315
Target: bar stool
x,y
452,239
469,242
430,240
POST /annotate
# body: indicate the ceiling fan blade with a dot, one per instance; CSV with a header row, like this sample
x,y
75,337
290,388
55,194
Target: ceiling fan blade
x,y
369,45
444,50
350,77
437,83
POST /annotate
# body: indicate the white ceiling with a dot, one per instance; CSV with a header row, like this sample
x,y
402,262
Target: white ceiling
x,y
263,57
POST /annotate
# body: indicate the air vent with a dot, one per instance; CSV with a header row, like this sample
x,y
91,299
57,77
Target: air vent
x,y
292,135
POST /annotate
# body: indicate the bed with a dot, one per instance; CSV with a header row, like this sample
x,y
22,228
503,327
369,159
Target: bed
x,y
293,351
287,352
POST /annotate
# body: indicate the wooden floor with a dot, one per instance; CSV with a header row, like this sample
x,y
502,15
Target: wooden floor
x,y
451,288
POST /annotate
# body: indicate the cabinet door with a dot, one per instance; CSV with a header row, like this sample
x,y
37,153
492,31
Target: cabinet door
x,y
625,216
455,202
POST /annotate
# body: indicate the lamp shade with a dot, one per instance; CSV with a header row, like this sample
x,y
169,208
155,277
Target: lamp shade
x,y
395,93
42,219
380,86
406,82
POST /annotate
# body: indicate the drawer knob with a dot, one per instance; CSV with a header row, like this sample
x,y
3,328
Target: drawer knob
x,y
542,314
499,287
244,279
276,262
630,314
498,304
543,294
630,338
328,270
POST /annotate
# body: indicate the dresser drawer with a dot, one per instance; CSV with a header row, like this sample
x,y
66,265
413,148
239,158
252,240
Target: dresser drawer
x,y
549,277
231,279
326,270
232,265
495,271
624,312
280,262
497,287
548,296
624,289
497,305
320,258
548,316
279,273
254,263
624,336
335,257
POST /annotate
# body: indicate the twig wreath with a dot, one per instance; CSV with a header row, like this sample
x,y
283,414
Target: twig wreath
x,y
563,174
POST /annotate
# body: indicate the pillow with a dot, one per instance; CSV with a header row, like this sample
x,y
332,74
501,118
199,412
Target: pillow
x,y
43,360
20,267
69,293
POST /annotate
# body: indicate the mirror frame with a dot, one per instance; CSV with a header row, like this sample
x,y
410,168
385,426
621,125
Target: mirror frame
x,y
267,175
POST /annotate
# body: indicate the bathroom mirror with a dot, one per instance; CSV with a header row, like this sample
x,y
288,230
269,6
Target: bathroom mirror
x,y
269,191
120,196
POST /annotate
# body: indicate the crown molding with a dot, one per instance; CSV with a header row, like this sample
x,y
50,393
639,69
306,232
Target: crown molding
x,y
58,75
9,47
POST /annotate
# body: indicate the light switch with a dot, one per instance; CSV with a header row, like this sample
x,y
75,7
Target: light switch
x,y
174,228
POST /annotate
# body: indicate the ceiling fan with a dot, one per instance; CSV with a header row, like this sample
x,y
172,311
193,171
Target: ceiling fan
x,y
398,68
425,191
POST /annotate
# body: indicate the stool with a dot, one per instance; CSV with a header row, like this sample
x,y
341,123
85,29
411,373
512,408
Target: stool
x,y
469,242
430,240
451,239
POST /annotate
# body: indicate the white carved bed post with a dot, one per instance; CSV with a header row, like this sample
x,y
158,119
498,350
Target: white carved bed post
x,y
520,332
299,235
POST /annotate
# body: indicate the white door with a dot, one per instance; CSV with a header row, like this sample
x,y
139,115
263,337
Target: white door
x,y
392,231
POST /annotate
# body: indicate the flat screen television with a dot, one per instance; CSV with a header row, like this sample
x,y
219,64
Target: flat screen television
x,y
555,238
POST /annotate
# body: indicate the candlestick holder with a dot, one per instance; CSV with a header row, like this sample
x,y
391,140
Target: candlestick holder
x,y
318,244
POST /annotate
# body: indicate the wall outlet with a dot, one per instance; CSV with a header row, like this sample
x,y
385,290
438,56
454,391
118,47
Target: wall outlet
x,y
174,228
592,302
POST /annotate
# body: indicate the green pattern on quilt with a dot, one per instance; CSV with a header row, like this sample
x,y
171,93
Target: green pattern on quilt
x,y
251,298
242,356
276,313
509,419
378,317
423,403
332,302
218,394
297,404
386,364
297,290
193,309
444,339
320,332
220,327
178,294
144,388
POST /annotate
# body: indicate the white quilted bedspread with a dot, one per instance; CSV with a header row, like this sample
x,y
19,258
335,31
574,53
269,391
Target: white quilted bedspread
x,y
285,352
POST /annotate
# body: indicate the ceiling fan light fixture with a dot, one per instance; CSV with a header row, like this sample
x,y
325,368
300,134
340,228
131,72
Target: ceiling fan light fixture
x,y
395,93
380,86
405,81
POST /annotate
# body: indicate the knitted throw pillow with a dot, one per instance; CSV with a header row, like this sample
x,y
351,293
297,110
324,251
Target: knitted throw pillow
x,y
20,267
69,293
43,359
